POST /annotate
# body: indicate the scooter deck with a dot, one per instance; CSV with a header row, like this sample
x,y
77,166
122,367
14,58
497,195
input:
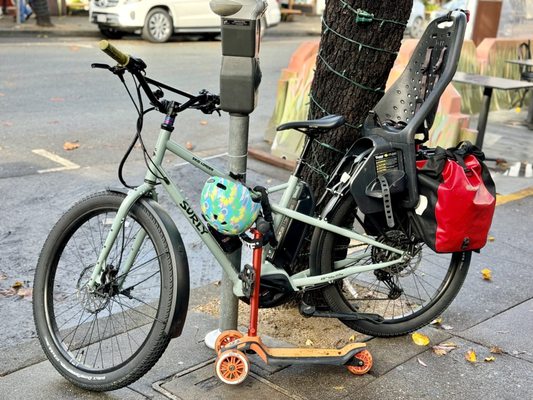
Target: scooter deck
x,y
297,355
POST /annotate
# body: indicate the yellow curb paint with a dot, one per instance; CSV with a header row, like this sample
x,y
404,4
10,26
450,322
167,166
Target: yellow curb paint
x,y
502,199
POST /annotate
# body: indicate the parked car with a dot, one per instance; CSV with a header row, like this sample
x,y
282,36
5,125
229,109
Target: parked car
x,y
417,20
157,20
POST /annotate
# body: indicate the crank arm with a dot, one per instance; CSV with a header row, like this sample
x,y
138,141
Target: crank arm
x,y
311,311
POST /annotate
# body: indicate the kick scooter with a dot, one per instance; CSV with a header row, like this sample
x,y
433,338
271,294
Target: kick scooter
x,y
232,365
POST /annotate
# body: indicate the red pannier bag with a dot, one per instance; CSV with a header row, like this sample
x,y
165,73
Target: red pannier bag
x,y
457,199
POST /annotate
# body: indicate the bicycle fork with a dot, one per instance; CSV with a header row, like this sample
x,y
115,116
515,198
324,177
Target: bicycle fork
x,y
133,196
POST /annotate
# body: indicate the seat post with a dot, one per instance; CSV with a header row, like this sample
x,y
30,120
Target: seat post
x,y
303,155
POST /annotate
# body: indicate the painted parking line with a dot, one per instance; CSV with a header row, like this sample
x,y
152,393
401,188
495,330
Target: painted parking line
x,y
65,164
522,169
502,199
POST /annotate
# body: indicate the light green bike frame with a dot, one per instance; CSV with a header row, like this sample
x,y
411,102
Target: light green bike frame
x,y
298,281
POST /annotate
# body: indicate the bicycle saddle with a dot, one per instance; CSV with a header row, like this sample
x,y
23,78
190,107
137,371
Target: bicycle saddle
x,y
323,124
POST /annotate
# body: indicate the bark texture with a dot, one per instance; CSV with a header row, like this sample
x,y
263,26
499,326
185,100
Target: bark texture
x,y
349,48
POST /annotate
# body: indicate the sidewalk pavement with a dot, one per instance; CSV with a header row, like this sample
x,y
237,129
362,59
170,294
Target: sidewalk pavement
x,y
79,26
485,314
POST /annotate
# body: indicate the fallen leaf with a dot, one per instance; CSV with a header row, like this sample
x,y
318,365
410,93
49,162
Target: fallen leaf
x,y
338,387
449,344
7,292
203,122
438,351
496,350
486,274
438,323
74,48
26,293
352,338
471,356
189,146
491,239
309,342
57,99
71,145
3,276
517,110
421,362
7,123
17,285
443,348
489,359
420,339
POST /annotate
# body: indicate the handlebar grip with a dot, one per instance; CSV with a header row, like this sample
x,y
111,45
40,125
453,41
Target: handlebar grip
x,y
114,53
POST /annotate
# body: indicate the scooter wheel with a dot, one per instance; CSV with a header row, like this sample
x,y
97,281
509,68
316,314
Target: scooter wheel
x,y
226,338
366,358
232,367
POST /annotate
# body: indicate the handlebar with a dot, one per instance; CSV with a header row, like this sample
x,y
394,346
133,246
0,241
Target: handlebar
x,y
204,101
120,57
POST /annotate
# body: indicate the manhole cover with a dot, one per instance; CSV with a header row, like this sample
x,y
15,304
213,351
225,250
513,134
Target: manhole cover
x,y
200,382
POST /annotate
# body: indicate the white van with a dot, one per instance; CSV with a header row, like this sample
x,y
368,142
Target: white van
x,y
157,20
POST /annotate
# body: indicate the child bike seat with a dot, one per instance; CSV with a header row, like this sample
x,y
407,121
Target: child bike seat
x,y
409,105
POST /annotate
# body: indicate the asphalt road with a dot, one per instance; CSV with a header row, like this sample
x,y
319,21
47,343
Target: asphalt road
x,y
49,95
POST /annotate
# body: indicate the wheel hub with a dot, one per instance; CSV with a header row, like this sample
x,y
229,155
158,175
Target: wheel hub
x,y
95,300
399,240
389,275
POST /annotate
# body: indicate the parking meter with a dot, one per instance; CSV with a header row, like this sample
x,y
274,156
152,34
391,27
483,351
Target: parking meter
x,y
240,74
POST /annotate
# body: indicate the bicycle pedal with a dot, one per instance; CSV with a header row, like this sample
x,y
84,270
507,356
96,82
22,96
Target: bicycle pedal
x,y
247,276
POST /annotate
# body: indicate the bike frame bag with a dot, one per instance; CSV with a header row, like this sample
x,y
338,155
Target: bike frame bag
x,y
457,199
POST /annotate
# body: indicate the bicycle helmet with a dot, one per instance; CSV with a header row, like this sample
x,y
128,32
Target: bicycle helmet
x,y
228,206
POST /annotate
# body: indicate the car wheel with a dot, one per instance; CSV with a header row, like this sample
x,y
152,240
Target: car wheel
x,y
158,26
111,33
417,29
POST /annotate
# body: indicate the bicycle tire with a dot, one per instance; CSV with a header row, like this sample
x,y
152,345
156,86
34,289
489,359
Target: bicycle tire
x,y
109,338
367,292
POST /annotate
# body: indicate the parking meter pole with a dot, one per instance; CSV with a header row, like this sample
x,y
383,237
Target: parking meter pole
x,y
237,154
240,76
18,17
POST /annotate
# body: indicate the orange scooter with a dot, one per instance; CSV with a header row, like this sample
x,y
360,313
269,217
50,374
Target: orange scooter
x,y
232,365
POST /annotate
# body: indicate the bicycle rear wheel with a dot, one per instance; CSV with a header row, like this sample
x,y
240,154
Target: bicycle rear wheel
x,y
105,338
407,296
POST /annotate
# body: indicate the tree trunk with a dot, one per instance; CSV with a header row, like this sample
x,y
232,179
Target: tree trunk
x,y
42,13
353,64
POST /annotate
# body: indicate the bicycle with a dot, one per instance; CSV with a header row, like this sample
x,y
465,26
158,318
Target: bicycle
x,y
111,284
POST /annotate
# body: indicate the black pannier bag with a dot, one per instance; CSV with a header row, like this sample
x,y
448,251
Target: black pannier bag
x,y
457,199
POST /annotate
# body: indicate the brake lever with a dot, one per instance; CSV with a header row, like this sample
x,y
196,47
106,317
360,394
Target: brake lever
x,y
101,66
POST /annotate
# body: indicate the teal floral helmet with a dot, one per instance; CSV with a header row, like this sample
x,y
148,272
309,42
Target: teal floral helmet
x,y
228,206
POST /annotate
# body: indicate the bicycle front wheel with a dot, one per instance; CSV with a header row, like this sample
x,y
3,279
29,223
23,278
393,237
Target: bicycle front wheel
x,y
406,296
107,337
